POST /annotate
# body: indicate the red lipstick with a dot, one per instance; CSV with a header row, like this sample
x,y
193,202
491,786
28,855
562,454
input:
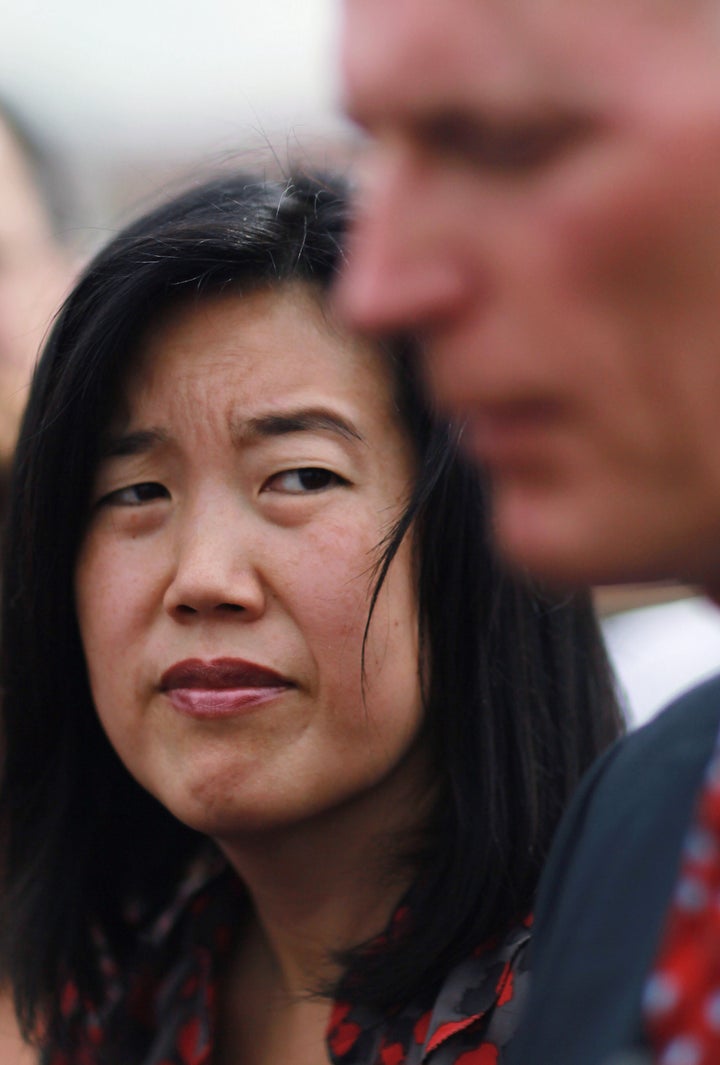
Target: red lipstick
x,y
222,687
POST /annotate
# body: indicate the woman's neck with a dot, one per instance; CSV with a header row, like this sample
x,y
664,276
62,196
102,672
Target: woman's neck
x,y
260,1023
330,883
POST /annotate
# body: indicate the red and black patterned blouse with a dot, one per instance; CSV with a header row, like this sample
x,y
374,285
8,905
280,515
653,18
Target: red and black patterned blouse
x,y
163,1013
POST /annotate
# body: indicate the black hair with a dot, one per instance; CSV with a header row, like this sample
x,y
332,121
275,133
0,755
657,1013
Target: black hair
x,y
519,700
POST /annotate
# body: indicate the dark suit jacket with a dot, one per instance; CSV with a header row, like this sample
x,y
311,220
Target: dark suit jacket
x,y
606,889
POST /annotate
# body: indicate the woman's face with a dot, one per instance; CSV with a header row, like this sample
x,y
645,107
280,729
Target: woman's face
x,y
223,581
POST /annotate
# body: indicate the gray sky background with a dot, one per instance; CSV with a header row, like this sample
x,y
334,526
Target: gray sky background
x,y
154,76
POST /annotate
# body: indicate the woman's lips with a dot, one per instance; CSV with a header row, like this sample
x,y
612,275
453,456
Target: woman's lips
x,y
220,688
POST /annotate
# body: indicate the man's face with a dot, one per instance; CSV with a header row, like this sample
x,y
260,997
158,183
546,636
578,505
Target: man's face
x,y
33,275
542,206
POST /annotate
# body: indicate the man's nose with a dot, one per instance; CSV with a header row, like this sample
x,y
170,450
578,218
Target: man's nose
x,y
400,274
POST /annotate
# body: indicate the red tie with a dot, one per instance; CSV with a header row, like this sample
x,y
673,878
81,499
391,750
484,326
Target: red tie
x,y
682,997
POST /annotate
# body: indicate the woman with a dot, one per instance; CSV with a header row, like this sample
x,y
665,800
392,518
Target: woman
x,y
285,747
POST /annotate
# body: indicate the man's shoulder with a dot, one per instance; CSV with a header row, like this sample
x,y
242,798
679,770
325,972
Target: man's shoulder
x,y
625,826
658,766
701,704
681,735
607,883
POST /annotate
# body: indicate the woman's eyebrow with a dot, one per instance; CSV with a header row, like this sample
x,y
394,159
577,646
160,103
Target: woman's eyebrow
x,y
139,442
122,445
297,421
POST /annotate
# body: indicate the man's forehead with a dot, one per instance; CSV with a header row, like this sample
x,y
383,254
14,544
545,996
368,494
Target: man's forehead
x,y
483,49
508,53
427,50
417,30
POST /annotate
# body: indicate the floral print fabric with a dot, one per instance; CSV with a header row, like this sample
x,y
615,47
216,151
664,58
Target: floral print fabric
x,y
470,1022
163,1012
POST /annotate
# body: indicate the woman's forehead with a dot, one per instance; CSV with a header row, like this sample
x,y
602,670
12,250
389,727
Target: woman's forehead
x,y
254,355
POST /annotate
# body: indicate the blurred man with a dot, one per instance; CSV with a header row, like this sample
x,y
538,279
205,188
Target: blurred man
x,y
542,206
33,270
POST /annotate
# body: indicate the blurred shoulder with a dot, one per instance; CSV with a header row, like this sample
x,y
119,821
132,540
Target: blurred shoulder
x,y
660,764
682,734
606,885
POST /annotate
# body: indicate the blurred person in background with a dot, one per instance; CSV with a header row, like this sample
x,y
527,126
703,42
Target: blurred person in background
x,y
34,272
35,267
542,207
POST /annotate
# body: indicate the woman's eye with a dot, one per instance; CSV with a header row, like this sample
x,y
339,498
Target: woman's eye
x,y
306,479
134,495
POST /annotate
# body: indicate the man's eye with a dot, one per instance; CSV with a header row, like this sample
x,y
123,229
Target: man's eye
x,y
305,479
134,495
515,147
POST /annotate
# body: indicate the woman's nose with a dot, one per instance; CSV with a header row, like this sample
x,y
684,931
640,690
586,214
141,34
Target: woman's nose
x,y
214,570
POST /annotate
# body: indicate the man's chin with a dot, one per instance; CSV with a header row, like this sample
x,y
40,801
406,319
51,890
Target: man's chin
x,y
566,547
